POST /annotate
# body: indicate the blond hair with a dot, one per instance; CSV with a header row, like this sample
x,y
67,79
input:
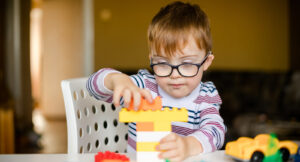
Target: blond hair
x,y
171,28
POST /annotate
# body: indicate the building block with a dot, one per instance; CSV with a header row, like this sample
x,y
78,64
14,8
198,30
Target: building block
x,y
111,160
150,136
162,126
146,146
145,105
152,124
148,116
148,157
110,157
144,126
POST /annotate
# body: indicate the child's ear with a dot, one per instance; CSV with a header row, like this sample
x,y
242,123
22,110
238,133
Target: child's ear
x,y
208,62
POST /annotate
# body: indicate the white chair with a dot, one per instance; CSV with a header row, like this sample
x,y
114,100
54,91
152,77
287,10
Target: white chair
x,y
93,125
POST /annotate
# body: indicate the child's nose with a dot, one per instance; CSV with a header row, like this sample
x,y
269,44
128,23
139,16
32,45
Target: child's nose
x,y
175,74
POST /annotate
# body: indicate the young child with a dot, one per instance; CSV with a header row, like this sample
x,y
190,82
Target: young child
x,y
180,51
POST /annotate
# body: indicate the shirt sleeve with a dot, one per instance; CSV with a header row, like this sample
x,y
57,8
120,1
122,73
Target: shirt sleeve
x,y
142,77
139,80
95,85
96,88
211,132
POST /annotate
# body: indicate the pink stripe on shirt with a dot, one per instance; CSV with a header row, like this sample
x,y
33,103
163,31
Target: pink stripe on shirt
x,y
208,99
95,82
210,139
209,111
132,143
218,125
151,86
182,130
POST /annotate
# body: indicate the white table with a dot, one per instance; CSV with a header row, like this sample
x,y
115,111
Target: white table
x,y
217,156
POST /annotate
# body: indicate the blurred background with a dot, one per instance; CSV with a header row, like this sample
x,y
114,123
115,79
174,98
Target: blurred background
x,y
256,67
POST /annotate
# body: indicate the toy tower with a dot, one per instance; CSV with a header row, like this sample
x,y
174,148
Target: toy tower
x,y
152,124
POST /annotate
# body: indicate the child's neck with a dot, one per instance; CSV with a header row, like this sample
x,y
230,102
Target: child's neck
x,y
190,97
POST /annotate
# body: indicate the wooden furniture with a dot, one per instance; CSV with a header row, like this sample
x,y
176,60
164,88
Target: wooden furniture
x,y
6,131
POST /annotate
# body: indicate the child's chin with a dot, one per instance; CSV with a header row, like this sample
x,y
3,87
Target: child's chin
x,y
178,94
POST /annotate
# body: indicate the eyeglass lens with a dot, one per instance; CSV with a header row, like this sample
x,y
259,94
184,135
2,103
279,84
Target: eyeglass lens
x,y
183,69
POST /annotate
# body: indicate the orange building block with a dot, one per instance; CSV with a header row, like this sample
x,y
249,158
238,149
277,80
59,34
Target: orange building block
x,y
144,126
145,105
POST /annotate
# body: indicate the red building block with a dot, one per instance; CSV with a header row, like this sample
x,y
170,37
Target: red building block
x,y
108,156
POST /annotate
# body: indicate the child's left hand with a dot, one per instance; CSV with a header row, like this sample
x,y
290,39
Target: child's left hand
x,y
176,148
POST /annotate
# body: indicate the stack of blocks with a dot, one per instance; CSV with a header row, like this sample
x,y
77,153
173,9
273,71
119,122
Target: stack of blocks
x,y
152,124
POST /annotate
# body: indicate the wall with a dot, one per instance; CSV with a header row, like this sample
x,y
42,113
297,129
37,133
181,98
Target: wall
x,y
62,51
247,35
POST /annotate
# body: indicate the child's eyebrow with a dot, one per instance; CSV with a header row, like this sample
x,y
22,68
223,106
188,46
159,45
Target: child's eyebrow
x,y
189,56
159,57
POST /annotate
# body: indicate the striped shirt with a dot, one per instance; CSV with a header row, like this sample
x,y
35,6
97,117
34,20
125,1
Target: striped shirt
x,y
203,104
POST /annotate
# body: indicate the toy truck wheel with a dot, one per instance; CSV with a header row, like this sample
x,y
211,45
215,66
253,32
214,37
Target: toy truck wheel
x,y
257,156
285,154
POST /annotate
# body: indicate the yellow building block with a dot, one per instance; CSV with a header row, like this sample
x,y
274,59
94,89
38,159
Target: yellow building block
x,y
166,115
162,126
146,146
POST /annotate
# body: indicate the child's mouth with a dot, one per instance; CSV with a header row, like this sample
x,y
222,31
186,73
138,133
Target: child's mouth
x,y
176,86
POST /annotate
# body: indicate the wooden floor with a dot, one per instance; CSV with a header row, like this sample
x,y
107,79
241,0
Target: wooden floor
x,y
53,133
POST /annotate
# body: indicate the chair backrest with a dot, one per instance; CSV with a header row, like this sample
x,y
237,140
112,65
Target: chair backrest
x,y
93,125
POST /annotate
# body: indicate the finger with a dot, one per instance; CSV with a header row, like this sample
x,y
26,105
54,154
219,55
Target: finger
x,y
126,97
169,138
166,146
172,154
117,96
136,100
147,95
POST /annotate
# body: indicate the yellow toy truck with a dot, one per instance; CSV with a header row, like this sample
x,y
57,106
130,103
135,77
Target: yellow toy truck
x,y
260,148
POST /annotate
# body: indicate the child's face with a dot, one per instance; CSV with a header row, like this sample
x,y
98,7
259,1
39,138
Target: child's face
x,y
175,84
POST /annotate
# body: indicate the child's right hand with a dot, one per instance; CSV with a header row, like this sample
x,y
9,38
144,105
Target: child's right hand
x,y
123,86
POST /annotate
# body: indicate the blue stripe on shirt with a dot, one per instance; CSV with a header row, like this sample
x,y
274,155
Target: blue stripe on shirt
x,y
143,86
136,81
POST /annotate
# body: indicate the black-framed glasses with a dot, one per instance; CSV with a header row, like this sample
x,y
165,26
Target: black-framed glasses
x,y
184,69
